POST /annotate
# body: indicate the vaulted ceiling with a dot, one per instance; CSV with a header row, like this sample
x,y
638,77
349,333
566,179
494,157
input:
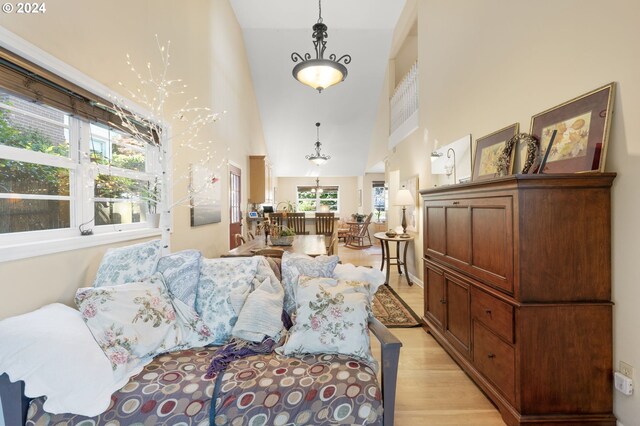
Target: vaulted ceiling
x,y
273,29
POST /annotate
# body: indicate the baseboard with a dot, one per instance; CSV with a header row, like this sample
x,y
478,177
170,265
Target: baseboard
x,y
416,280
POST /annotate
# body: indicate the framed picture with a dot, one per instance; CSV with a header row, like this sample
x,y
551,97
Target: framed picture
x,y
582,126
206,196
490,149
359,197
253,215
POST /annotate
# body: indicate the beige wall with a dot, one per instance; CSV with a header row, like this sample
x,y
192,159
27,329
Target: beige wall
x,y
207,53
485,65
348,190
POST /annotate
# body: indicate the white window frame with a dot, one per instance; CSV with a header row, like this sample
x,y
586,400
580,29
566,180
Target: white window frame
x,y
337,211
22,245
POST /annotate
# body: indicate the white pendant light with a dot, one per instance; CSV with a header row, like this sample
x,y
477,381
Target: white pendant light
x,y
319,73
318,158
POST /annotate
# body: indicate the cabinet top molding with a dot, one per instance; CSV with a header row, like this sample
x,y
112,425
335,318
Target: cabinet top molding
x,y
565,180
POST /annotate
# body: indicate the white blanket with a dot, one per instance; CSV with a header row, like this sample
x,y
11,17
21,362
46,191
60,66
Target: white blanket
x,y
53,352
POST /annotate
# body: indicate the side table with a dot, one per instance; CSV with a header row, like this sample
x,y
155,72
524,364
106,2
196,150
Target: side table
x,y
386,254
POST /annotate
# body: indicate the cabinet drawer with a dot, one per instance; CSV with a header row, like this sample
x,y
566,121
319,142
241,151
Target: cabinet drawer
x,y
494,359
495,314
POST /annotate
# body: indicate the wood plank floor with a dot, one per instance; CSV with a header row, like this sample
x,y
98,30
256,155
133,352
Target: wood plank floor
x,y
432,389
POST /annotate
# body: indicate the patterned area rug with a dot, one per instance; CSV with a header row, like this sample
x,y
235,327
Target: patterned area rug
x,y
392,311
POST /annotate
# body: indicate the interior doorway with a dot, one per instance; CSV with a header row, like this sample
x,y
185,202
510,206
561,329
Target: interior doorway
x,y
235,212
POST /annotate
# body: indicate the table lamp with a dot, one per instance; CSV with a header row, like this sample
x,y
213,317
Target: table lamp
x,y
404,199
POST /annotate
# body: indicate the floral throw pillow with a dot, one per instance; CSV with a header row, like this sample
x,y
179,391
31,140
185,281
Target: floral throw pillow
x,y
332,317
181,272
294,265
128,264
219,278
134,322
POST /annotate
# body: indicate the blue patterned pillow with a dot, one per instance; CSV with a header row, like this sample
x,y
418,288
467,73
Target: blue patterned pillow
x,y
218,278
181,272
128,264
294,265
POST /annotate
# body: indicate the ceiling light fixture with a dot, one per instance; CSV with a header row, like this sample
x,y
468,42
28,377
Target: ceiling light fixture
x,y
317,188
318,158
319,73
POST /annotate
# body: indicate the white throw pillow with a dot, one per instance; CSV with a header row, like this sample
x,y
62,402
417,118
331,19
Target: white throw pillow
x,y
294,265
134,322
53,352
332,317
350,272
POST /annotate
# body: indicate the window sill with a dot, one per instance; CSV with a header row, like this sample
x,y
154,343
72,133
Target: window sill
x,y
41,248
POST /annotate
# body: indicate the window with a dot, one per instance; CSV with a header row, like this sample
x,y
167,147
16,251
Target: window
x,y
64,163
58,171
380,200
320,199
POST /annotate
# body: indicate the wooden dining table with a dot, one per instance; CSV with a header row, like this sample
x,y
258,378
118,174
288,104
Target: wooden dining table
x,y
311,245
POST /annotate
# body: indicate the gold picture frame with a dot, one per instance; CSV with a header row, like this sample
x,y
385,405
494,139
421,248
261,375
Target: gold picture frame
x,y
582,126
490,151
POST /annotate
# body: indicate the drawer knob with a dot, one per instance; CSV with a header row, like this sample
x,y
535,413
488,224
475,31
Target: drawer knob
x,y
491,355
443,301
487,311
456,203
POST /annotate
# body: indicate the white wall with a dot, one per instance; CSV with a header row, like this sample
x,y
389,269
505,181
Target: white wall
x,y
207,53
485,65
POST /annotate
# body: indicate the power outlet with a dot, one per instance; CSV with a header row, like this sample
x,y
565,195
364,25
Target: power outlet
x,y
625,369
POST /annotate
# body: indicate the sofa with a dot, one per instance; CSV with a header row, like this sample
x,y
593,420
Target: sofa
x,y
297,383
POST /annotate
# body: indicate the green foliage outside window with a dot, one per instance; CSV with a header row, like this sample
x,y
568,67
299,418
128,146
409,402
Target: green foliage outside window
x,y
24,177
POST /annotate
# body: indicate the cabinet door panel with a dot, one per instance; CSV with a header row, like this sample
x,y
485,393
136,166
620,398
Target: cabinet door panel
x,y
434,241
434,295
457,234
492,241
458,314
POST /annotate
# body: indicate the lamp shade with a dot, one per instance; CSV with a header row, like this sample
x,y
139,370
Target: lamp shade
x,y
318,161
404,198
319,73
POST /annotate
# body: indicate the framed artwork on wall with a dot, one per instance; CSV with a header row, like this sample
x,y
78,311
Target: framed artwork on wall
x,y
582,132
206,196
491,150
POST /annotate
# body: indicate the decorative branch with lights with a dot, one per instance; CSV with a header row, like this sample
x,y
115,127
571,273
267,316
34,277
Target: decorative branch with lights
x,y
153,91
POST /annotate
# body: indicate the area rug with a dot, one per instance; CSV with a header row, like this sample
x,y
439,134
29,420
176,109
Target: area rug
x,y
392,311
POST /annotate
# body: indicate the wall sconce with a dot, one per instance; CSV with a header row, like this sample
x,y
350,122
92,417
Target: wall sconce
x,y
451,168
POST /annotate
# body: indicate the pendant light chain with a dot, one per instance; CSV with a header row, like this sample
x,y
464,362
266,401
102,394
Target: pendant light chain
x,y
320,11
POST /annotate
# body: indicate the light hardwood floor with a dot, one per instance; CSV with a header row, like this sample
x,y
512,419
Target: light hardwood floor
x,y
432,390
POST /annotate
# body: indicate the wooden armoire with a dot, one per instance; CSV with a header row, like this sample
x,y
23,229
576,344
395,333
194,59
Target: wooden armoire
x,y
517,286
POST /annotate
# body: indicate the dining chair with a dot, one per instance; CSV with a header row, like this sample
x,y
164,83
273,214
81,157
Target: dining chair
x,y
239,239
269,252
358,233
324,223
296,222
332,248
343,229
250,236
276,219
